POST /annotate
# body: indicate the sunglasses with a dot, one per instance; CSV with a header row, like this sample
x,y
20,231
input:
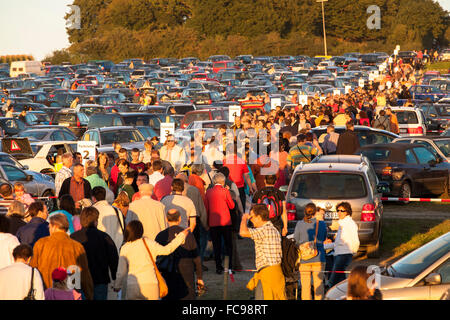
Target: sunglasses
x,y
170,140
341,210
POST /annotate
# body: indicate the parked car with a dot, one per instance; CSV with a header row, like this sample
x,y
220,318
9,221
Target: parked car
x,y
76,121
36,184
129,137
47,135
440,146
329,180
411,170
423,274
437,117
411,121
125,119
202,115
10,126
426,92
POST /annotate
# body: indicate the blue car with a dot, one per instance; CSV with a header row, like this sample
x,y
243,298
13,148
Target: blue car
x,y
424,92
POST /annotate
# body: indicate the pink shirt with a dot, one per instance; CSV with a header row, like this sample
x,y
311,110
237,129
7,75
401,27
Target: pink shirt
x,y
218,205
162,188
238,168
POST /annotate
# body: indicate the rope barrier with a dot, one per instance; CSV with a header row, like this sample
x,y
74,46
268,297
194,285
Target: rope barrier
x,y
414,199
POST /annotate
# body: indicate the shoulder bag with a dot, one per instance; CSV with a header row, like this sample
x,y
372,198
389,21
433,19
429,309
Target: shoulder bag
x,y
308,250
163,289
31,292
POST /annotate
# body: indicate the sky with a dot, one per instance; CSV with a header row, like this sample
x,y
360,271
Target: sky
x,y
37,27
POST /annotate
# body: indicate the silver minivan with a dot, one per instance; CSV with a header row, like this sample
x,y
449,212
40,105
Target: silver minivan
x,y
329,180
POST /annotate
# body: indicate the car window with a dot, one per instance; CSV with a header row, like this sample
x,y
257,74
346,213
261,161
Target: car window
x,y
62,118
38,135
94,135
420,259
329,186
9,159
123,136
217,115
444,146
406,117
428,146
444,271
410,158
366,137
68,136
424,155
84,120
57,136
13,173
377,154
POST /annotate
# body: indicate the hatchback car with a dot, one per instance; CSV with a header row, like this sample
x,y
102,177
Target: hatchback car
x,y
329,180
410,169
440,146
423,274
437,117
128,137
47,135
76,121
411,121
203,115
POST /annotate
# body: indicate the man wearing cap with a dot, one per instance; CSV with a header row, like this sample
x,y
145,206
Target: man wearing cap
x,y
58,250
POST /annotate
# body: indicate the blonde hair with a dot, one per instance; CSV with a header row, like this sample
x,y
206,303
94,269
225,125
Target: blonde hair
x,y
122,199
16,207
19,185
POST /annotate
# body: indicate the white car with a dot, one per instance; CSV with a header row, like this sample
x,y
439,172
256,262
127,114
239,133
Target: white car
x,y
44,153
411,121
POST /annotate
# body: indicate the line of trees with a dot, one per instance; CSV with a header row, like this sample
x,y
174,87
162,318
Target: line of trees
x,y
119,29
15,57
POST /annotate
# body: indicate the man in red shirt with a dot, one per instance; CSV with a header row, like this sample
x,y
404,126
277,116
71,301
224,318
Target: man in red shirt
x,y
239,174
164,186
218,205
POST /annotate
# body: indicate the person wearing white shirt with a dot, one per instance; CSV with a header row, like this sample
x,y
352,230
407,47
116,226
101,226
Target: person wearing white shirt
x,y
65,172
157,172
7,242
15,279
173,153
346,243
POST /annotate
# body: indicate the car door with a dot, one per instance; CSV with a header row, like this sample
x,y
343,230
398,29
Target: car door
x,y
433,176
436,291
14,174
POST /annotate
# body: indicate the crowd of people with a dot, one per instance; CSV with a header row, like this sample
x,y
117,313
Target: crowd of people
x,y
122,217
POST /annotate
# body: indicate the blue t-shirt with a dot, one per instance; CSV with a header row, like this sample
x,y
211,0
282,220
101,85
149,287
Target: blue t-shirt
x,y
305,232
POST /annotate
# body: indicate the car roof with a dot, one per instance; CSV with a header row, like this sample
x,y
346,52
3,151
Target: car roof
x,y
355,159
331,167
113,128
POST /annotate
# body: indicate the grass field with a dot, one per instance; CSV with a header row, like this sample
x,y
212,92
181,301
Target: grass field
x,y
442,67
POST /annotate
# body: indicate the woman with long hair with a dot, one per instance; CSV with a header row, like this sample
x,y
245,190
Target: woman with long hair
x,y
357,288
103,166
67,207
136,265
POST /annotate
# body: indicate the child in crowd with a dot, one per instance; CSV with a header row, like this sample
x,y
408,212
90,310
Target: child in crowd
x,y
21,195
59,291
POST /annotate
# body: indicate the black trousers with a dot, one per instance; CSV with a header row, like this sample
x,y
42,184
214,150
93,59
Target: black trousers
x,y
217,233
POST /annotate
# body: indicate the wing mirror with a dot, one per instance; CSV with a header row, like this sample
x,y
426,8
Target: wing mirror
x,y
383,187
29,178
284,189
433,279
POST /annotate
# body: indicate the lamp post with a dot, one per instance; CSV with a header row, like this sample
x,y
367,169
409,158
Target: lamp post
x,y
323,20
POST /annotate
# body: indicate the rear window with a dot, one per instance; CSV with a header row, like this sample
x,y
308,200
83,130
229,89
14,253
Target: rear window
x,y
325,185
152,122
377,154
444,110
123,136
219,65
104,120
198,116
406,117
65,118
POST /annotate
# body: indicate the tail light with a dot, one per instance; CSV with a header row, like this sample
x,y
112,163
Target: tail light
x,y
368,212
51,122
291,211
209,101
387,171
418,130
78,123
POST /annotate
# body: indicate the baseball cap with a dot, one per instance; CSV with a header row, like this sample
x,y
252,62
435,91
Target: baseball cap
x,y
59,274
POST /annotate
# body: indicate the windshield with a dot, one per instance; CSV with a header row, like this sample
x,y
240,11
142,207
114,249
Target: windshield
x,y
444,110
418,260
327,185
38,135
377,154
444,146
123,136
142,120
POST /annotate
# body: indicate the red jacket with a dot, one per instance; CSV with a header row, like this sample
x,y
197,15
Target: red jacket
x,y
162,188
218,205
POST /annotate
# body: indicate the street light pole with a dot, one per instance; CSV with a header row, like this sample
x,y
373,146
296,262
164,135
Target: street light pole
x,y
323,20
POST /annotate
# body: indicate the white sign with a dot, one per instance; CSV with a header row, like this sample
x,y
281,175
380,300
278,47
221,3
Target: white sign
x,y
391,60
348,89
371,77
397,48
322,98
396,52
376,73
167,128
361,83
87,150
234,111
336,92
274,103
388,84
303,99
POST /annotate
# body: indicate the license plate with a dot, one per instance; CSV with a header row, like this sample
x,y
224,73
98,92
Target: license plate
x,y
403,130
65,124
331,215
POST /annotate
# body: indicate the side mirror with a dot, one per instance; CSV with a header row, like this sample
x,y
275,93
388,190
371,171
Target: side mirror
x,y
26,167
433,163
29,178
383,187
433,279
284,188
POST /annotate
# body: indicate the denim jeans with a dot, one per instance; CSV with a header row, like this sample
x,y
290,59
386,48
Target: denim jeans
x,y
100,292
341,262
201,237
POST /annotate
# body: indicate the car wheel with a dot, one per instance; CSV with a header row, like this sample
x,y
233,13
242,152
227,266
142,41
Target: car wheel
x,y
405,192
50,203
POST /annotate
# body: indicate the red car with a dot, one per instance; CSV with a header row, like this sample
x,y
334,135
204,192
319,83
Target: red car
x,y
226,64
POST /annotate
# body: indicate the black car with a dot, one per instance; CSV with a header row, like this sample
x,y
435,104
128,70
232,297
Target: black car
x,y
150,120
410,169
10,126
75,121
437,117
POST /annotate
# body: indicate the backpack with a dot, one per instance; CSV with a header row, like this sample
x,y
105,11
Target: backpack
x,y
272,204
289,257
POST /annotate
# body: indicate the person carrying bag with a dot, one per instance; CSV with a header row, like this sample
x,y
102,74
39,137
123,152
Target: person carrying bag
x,y
31,292
311,253
163,289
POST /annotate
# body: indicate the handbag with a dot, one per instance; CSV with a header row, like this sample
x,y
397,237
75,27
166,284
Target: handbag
x,y
31,292
163,289
308,250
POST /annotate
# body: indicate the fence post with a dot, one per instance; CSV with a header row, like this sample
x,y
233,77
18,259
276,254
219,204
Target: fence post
x,y
225,278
